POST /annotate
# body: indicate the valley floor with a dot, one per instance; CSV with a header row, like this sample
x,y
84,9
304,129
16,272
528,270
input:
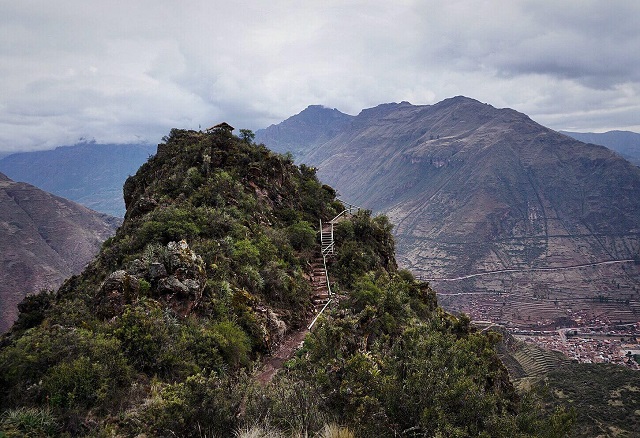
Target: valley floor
x,y
586,330
591,345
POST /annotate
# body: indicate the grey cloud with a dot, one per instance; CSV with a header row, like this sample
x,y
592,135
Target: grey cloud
x,y
124,70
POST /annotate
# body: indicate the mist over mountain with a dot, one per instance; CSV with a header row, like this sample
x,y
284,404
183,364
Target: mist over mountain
x,y
88,173
43,240
474,190
626,143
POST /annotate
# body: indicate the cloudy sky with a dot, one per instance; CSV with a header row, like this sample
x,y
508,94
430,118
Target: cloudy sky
x,y
128,71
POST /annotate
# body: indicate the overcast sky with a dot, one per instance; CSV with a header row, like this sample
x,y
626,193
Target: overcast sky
x,y
128,71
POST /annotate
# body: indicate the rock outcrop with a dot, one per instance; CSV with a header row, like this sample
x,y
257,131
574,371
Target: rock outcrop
x,y
172,273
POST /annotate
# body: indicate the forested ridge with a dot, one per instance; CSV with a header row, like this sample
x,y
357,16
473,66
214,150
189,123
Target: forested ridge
x,y
163,331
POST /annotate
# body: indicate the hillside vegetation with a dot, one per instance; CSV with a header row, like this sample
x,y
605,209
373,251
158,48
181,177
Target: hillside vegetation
x,y
603,396
162,332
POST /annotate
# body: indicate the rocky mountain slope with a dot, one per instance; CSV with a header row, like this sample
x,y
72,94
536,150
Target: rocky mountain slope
x,y
626,143
214,263
44,239
88,173
486,200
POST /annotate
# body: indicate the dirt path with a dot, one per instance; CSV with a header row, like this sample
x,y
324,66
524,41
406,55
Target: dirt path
x,y
294,339
291,343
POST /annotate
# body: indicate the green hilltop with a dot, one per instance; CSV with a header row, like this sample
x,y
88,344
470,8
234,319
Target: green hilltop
x,y
164,332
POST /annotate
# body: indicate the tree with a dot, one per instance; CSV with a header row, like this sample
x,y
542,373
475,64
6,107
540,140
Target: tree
x,y
247,135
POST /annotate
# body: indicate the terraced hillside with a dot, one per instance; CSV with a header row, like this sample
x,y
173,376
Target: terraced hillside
x,y
604,397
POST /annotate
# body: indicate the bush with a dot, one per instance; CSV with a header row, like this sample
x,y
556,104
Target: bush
x,y
74,368
301,235
232,342
28,422
145,337
202,405
288,404
32,310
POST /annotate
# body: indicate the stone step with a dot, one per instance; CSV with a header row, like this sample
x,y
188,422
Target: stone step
x,y
318,276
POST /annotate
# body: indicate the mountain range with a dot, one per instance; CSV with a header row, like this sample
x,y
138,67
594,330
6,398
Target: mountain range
x,y
44,240
486,200
626,143
215,266
88,173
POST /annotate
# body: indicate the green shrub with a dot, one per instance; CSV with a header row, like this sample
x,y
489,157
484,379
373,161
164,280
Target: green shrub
x,y
74,368
288,404
144,287
232,341
245,253
145,337
207,404
32,310
301,235
28,422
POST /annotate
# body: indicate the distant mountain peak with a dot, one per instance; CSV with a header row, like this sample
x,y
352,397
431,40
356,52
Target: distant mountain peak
x,y
317,107
626,143
313,125
319,110
459,100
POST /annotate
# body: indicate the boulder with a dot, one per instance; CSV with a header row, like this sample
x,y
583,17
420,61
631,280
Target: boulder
x,y
157,270
118,289
172,286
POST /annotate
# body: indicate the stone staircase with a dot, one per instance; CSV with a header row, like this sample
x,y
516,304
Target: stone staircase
x,y
321,296
320,288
